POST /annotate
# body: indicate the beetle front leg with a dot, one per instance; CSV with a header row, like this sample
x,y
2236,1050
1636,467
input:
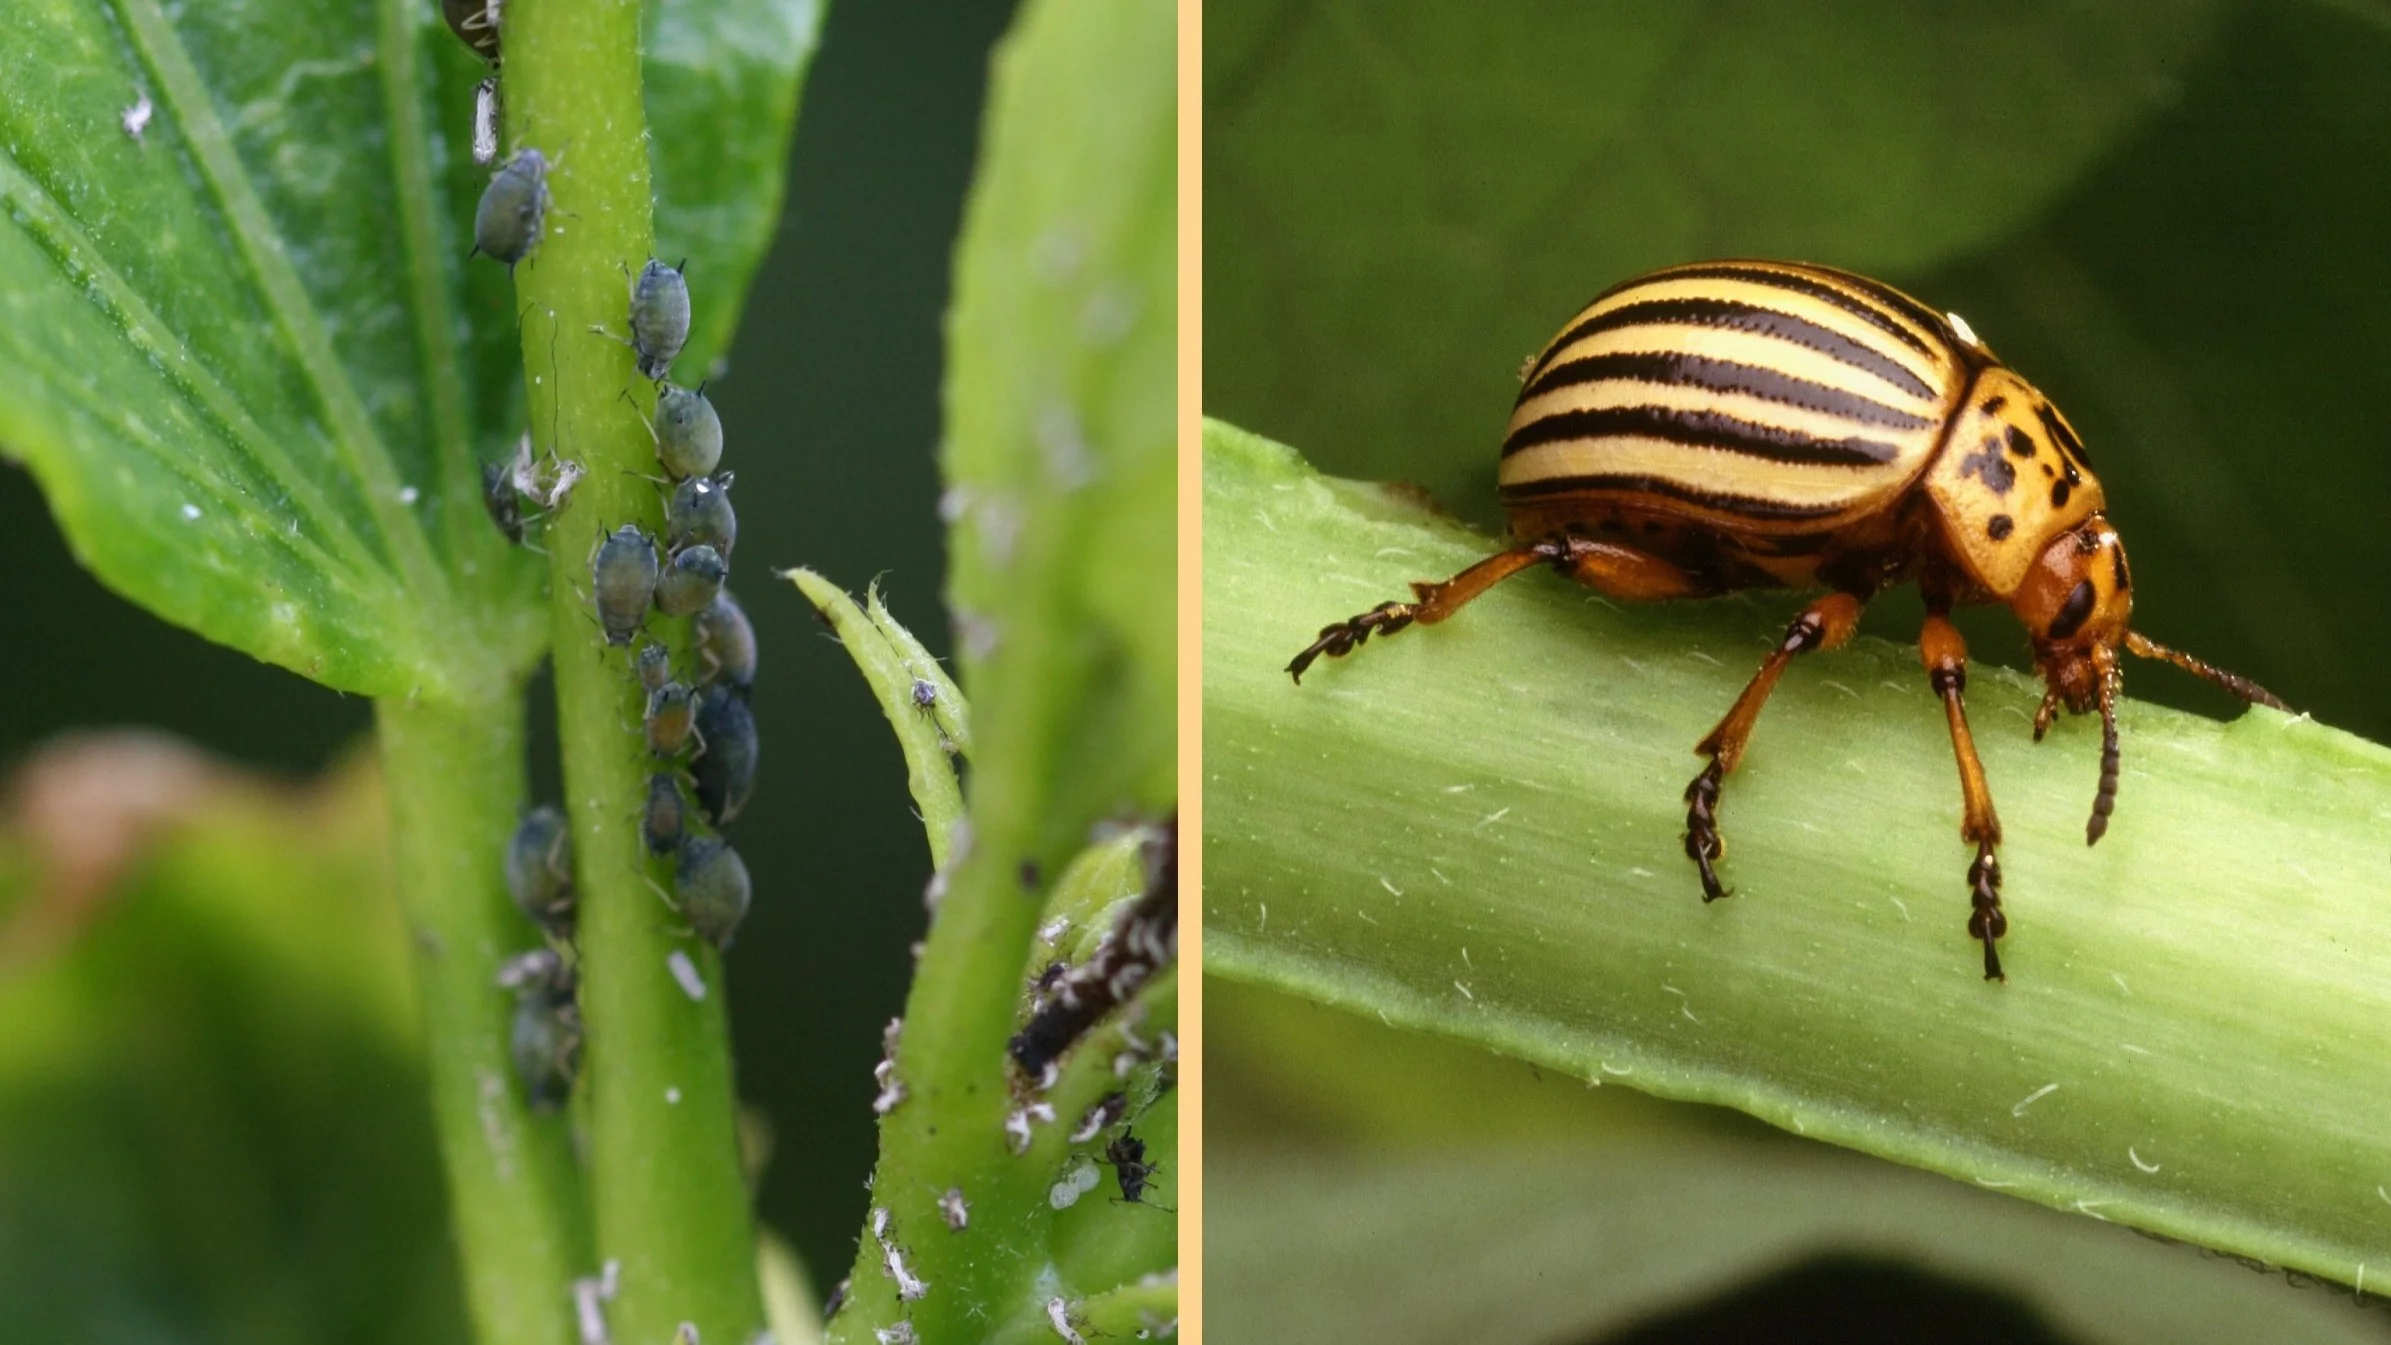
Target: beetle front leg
x,y
1824,624
1945,654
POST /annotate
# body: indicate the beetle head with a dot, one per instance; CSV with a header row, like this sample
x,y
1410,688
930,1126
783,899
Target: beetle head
x,y
2076,603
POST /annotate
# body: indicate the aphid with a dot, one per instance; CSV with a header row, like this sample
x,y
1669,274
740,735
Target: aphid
x,y
659,318
725,644
546,1044
539,869
1127,1155
691,580
486,112
1748,424
475,22
688,433
669,718
698,513
504,502
507,223
622,578
714,888
725,771
663,821
654,664
925,693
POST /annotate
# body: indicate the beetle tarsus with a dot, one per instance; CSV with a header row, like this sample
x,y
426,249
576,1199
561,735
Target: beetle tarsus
x,y
1703,844
1987,922
1344,637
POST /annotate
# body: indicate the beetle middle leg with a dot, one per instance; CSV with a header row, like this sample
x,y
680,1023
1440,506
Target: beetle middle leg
x,y
1946,657
1622,572
1824,624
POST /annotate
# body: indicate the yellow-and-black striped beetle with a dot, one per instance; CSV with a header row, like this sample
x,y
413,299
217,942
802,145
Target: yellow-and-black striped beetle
x,y
1754,424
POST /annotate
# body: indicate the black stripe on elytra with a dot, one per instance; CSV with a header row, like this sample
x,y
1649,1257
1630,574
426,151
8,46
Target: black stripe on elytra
x,y
1743,317
1900,303
1702,429
1673,369
1742,505
2065,437
1798,283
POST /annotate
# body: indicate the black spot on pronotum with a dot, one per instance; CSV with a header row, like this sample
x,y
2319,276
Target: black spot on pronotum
x,y
2059,493
1988,466
2117,559
1999,526
1993,405
2020,442
2073,612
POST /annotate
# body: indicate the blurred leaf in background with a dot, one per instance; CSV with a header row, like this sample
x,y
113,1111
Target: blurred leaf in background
x,y
212,1117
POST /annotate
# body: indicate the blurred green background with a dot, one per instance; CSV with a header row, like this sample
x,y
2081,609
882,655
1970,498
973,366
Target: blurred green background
x,y
831,410
2174,217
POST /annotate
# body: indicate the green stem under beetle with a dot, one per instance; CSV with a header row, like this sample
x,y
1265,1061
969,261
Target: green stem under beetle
x,y
1475,828
455,780
665,1182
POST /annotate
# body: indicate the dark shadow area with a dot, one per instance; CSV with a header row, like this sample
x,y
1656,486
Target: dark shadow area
x,y
1848,1299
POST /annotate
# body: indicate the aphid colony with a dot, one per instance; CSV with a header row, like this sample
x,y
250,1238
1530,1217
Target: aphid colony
x,y
696,725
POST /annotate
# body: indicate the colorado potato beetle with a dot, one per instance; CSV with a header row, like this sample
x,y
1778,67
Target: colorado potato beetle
x,y
1754,424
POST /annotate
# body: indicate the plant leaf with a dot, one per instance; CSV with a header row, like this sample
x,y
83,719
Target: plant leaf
x,y
1404,202
723,79
1475,829
252,366
218,1068
1059,451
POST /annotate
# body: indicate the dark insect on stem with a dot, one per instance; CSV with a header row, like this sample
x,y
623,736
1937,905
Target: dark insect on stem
x,y
725,771
1127,1155
539,869
714,889
690,581
725,644
1145,940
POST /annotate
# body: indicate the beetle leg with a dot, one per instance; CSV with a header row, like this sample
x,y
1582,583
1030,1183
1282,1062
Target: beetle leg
x,y
1946,657
1621,572
1824,624
1430,604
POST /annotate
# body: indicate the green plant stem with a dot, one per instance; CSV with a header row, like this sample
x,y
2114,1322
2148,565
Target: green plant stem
x,y
1474,829
454,775
666,1188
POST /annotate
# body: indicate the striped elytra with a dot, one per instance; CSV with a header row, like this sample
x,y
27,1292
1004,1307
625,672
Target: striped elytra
x,y
1756,424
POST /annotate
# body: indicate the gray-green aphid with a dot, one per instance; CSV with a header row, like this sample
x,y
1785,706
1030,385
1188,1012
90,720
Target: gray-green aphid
x,y
714,889
669,718
623,582
661,823
688,433
659,318
725,772
691,580
725,644
654,663
699,513
539,869
513,209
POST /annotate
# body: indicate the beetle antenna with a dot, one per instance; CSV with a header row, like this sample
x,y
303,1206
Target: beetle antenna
x,y
2243,687
2105,801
